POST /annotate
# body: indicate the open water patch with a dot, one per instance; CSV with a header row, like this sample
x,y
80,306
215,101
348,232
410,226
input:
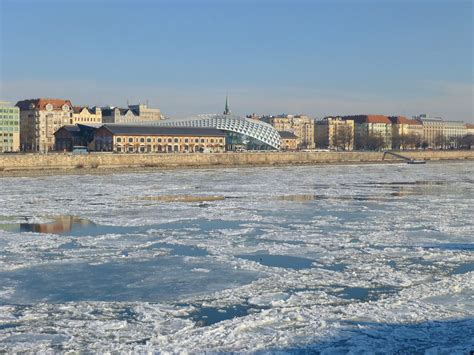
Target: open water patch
x,y
364,294
463,268
180,250
282,261
125,280
206,316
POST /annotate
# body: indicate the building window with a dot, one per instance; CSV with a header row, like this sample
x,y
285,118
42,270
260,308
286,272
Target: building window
x,y
169,140
176,140
186,140
142,140
148,140
202,140
119,139
159,140
130,140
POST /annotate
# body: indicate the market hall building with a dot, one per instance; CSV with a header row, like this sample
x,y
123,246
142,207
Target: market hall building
x,y
157,139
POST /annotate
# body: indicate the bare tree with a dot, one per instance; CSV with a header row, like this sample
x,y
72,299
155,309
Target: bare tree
x,y
440,141
412,141
467,142
371,141
343,137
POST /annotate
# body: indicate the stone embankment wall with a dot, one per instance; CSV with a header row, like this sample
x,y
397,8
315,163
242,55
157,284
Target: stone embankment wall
x,y
12,162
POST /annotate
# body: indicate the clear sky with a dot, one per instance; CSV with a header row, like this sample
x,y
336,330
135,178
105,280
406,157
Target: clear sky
x,y
312,57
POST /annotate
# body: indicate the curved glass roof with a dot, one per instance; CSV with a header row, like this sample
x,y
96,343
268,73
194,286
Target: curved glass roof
x,y
253,128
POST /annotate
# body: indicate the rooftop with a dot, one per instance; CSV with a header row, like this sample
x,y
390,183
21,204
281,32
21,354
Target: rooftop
x,y
40,104
368,119
287,135
143,130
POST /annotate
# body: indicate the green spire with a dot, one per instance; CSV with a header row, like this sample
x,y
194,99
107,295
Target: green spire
x,y
226,109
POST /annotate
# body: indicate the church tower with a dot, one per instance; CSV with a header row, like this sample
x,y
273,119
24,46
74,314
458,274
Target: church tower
x,y
226,109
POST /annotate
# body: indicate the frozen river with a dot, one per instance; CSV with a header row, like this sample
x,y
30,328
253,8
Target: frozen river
x,y
329,259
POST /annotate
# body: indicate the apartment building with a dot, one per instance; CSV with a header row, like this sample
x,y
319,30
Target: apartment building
x,y
132,114
300,125
372,132
9,128
334,133
86,115
39,119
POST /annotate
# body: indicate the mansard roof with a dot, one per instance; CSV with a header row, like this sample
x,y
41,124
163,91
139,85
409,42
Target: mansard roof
x,y
40,104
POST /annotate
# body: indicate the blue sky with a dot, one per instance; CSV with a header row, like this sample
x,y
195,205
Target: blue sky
x,y
312,57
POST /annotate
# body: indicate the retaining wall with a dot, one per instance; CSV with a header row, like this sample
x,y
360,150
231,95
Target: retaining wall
x,y
11,162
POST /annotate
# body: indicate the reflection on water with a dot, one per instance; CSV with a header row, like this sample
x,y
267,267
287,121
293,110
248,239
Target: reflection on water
x,y
69,225
58,225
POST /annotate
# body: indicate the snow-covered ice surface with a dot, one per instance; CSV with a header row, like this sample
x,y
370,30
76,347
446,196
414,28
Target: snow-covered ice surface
x,y
329,259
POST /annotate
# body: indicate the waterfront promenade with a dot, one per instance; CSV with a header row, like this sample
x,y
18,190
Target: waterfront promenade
x,y
56,161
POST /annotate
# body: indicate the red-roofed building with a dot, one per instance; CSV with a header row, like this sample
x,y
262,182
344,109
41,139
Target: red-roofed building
x,y
39,119
371,131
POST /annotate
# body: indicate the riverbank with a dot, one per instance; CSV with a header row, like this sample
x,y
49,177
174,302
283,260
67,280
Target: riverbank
x,y
100,163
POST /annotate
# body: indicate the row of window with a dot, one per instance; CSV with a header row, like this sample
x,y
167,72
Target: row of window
x,y
169,140
11,123
9,129
8,110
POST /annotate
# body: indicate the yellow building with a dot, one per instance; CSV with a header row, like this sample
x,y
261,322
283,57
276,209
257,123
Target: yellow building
x,y
158,139
406,133
334,133
39,119
289,141
9,128
86,115
301,126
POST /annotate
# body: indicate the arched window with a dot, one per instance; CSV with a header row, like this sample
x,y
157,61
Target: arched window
x,y
176,140
130,140
142,140
119,139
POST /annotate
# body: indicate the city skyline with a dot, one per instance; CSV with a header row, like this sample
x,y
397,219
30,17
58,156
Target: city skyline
x,y
314,58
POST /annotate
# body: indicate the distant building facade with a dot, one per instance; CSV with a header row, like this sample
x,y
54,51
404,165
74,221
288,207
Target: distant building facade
x,y
438,133
470,129
334,133
301,126
157,139
39,119
289,141
9,128
132,114
70,136
372,132
86,115
406,133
